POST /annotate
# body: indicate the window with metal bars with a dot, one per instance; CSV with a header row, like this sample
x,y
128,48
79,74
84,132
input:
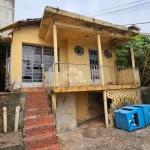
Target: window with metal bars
x,y
35,60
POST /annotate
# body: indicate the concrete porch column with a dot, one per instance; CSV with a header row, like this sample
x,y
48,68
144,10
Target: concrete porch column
x,y
53,96
100,59
55,55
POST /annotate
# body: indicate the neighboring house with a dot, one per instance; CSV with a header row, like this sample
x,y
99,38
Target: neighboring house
x,y
73,56
6,17
6,12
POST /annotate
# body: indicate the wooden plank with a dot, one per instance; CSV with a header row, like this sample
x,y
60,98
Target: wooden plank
x,y
105,109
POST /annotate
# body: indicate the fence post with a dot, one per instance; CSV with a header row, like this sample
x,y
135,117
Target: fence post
x,y
16,118
5,119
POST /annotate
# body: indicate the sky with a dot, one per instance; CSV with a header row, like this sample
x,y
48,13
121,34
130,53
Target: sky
x,y
138,12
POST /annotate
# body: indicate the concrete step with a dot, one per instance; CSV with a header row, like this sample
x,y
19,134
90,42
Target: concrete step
x,y
38,112
36,98
55,147
38,120
37,104
42,141
40,130
36,94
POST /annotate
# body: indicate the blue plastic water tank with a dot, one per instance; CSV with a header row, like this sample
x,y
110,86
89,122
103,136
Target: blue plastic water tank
x,y
133,117
146,112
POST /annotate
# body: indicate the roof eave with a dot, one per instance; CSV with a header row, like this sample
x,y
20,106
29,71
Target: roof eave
x,y
57,11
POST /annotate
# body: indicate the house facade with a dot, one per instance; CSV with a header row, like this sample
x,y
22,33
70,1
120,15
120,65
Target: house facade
x,y
73,57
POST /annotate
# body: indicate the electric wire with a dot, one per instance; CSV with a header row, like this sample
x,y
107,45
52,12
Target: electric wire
x,y
119,10
114,7
143,6
137,23
134,10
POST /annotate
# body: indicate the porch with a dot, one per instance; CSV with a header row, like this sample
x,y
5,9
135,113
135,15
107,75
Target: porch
x,y
67,77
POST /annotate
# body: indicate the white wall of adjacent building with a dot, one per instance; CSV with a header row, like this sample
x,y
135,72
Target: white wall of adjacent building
x,y
6,12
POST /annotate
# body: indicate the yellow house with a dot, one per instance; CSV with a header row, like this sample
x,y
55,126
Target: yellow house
x,y
73,56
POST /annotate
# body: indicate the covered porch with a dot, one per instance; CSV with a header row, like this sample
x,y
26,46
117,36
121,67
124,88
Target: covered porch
x,y
84,77
71,73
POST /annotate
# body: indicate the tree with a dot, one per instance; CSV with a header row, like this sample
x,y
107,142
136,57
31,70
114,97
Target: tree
x,y
141,47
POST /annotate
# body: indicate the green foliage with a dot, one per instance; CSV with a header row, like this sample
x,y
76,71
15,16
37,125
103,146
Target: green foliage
x,y
141,47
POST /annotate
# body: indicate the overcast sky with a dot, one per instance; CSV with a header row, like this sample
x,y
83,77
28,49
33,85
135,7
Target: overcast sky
x,y
137,14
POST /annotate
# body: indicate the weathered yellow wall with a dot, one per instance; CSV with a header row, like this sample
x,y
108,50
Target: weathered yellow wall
x,y
63,50
82,106
72,57
88,106
25,35
108,61
29,35
84,59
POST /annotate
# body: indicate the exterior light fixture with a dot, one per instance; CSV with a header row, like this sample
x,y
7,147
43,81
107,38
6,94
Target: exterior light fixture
x,y
86,37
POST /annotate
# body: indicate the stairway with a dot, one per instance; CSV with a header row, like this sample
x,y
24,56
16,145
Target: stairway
x,y
39,129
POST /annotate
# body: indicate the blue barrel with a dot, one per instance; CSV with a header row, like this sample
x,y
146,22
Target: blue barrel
x,y
133,117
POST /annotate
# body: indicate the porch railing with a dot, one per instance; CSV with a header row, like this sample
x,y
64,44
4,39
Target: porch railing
x,y
69,75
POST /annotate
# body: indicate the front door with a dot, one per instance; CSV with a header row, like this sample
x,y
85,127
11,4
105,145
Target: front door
x,y
36,59
94,67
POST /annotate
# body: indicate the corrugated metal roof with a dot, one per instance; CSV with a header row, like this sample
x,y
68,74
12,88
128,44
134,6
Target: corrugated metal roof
x,y
17,24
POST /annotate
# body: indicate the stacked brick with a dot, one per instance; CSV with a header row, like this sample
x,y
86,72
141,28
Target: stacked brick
x,y
39,129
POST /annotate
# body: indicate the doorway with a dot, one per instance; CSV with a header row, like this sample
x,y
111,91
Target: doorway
x,y
35,60
90,109
2,70
5,51
94,67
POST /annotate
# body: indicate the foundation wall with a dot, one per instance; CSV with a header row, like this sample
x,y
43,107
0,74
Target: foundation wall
x,y
66,112
82,106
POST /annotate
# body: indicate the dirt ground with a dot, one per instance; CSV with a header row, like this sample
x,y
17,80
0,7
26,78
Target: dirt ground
x,y
92,135
11,139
